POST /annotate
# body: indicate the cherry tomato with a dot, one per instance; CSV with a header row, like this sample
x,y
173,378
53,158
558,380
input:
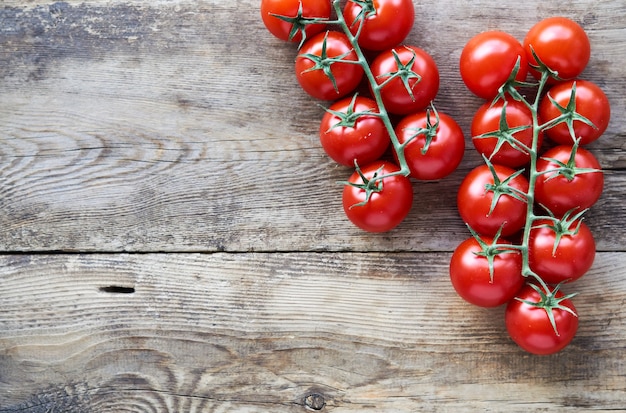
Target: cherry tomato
x,y
446,144
386,208
487,61
571,259
474,201
315,73
487,121
561,44
591,102
421,74
346,137
530,327
298,10
387,22
561,193
475,283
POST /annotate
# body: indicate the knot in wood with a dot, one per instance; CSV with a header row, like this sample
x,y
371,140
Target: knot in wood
x,y
315,401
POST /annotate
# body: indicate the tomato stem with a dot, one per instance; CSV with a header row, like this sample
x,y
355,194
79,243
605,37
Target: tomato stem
x,y
375,88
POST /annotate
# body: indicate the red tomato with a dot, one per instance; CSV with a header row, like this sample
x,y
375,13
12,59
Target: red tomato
x,y
347,137
294,13
418,71
561,44
316,73
561,193
487,121
591,102
529,325
487,62
385,208
475,283
571,259
446,145
386,26
474,201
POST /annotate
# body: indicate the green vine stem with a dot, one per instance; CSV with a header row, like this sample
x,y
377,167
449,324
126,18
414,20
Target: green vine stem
x,y
568,114
404,72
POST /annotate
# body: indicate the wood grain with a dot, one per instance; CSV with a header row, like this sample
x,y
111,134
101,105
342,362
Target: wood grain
x,y
130,127
262,332
172,239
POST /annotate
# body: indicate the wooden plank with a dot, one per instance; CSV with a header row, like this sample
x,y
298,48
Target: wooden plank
x,y
160,126
267,332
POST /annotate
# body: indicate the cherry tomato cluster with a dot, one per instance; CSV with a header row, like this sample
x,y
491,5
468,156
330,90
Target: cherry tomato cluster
x,y
524,206
354,58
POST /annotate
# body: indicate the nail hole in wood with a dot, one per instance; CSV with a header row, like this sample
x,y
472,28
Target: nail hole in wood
x,y
117,289
315,401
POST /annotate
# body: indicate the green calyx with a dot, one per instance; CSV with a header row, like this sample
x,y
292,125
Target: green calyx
x,y
563,227
549,302
299,23
323,62
511,85
568,169
370,186
404,73
506,134
367,10
568,114
429,132
491,250
503,187
349,118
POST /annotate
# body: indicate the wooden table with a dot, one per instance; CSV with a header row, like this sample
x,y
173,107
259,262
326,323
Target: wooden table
x,y
173,241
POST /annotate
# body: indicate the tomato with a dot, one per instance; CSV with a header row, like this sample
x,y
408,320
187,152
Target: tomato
x,y
519,121
591,102
567,190
445,149
529,326
347,137
475,199
385,208
294,13
418,72
472,278
571,259
387,22
487,62
561,44
322,78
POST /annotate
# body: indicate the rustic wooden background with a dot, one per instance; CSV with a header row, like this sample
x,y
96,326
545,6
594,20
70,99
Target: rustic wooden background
x,y
172,239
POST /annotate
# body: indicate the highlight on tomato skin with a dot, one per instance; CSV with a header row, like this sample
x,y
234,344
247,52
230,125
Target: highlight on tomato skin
x,y
387,27
530,328
561,44
343,78
571,259
363,139
486,121
479,285
475,202
424,87
564,193
487,61
433,157
591,103
385,209
283,29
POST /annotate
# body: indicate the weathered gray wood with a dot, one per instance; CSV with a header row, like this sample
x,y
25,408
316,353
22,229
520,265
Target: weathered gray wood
x,y
261,332
179,126
172,127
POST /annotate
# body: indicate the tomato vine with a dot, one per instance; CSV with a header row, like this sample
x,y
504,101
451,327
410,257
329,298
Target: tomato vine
x,y
556,247
536,199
